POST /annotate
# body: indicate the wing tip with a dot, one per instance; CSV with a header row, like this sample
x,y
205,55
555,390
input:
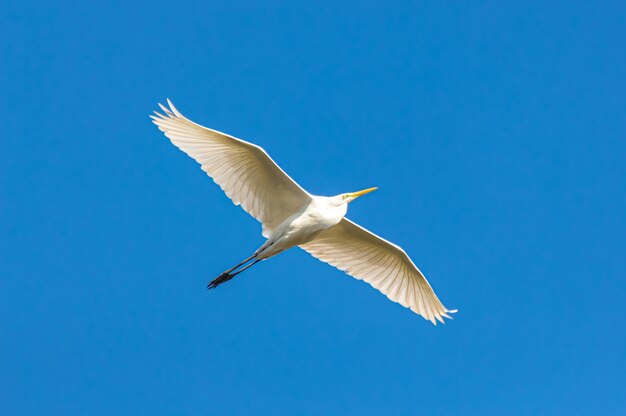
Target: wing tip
x,y
170,111
438,316
174,109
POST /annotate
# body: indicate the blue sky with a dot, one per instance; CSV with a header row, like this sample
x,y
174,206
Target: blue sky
x,y
496,132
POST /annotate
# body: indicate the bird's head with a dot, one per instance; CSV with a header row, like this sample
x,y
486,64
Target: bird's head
x,y
351,196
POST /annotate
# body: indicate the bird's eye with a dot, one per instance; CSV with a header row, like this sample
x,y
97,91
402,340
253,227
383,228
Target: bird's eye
x,y
344,196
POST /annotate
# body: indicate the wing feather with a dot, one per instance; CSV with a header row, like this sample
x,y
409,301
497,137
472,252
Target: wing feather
x,y
243,170
382,264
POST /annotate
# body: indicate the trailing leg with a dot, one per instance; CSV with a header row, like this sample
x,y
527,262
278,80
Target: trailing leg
x,y
232,272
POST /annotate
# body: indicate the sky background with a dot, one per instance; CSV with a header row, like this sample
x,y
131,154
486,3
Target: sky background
x,y
495,130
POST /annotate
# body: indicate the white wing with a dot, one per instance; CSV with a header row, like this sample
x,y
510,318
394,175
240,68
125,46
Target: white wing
x,y
380,263
244,171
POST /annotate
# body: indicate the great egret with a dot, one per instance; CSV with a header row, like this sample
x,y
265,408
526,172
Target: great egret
x,y
290,216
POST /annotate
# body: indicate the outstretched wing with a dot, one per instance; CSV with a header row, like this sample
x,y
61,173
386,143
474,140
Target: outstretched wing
x,y
380,263
244,171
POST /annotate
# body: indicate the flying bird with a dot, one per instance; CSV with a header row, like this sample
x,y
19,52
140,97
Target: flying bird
x,y
290,216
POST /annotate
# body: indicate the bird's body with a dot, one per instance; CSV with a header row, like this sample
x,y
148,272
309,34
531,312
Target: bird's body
x,y
321,213
292,217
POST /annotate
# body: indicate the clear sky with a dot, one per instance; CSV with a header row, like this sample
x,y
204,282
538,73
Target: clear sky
x,y
496,132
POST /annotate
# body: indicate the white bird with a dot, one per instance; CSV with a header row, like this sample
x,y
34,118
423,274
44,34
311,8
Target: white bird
x,y
290,216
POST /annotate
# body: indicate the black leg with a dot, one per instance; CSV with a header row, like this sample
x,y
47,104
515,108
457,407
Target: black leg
x,y
240,264
229,274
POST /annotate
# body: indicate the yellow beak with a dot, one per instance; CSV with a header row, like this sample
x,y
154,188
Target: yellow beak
x,y
363,192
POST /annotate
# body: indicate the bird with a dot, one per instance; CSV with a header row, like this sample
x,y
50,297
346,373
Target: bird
x,y
292,217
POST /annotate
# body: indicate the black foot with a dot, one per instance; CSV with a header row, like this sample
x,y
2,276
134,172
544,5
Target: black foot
x,y
222,278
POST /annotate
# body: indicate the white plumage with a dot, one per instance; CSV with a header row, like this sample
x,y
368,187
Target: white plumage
x,y
290,216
